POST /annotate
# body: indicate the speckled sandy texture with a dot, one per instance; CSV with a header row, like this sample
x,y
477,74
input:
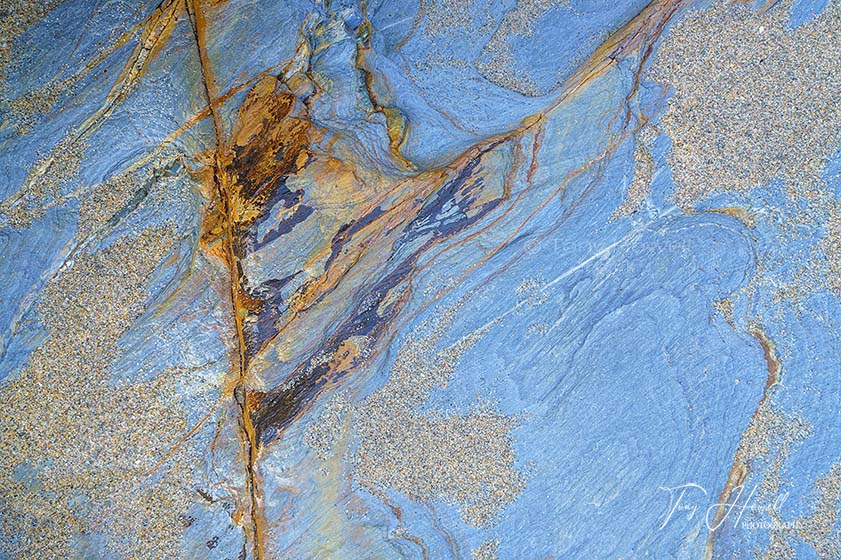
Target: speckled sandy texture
x,y
419,280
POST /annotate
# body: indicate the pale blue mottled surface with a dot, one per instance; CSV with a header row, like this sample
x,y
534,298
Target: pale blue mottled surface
x,y
625,374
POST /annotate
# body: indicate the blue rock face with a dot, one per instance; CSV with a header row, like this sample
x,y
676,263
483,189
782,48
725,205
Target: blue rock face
x,y
523,279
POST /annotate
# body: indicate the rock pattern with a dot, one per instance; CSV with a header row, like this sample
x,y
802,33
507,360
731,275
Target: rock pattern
x,y
420,279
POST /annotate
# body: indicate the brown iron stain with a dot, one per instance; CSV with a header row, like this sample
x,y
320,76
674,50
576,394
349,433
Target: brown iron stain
x,y
363,254
377,238
331,372
772,361
396,125
156,31
740,214
243,175
740,468
267,143
237,198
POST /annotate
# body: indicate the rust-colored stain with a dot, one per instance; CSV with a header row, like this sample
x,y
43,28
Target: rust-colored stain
x,y
397,127
360,248
739,213
269,142
772,361
228,210
156,31
740,468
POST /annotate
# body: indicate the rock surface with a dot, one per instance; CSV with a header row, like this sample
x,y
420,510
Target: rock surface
x,y
437,279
